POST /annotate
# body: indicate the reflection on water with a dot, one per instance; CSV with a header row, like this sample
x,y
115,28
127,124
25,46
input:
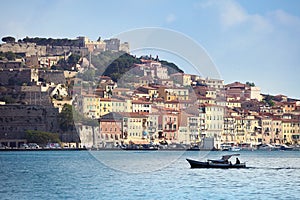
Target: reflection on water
x,y
78,175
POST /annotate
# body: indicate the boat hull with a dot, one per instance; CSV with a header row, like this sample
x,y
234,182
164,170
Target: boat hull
x,y
199,164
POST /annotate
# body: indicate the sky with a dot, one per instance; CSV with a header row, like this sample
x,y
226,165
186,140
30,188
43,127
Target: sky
x,y
256,41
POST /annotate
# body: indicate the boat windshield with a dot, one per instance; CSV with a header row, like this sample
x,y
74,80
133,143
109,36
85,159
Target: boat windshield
x,y
227,157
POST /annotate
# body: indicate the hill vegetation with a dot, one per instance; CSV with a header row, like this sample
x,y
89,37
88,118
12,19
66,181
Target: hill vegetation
x,y
41,137
68,64
120,66
51,41
8,56
115,64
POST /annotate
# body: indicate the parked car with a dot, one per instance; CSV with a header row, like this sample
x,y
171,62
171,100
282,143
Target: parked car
x,y
53,146
33,146
24,146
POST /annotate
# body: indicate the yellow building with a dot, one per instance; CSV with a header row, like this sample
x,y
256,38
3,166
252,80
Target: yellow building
x,y
287,130
172,105
291,131
182,79
229,134
277,130
108,105
206,100
170,94
239,130
105,106
89,105
151,91
135,127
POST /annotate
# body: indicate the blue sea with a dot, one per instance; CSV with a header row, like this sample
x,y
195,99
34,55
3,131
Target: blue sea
x,y
146,175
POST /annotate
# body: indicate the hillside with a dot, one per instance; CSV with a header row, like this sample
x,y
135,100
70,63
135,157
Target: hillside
x,y
115,64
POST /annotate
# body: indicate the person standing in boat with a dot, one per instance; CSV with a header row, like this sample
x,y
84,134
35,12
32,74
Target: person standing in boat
x,y
237,161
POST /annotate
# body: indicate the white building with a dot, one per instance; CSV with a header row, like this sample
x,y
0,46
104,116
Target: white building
x,y
141,106
214,123
213,83
159,71
255,93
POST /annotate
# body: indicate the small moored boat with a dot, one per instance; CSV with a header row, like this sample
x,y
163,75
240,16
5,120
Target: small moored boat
x,y
221,163
234,148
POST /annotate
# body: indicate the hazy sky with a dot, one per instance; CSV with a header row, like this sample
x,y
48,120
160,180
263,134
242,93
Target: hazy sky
x,y
257,41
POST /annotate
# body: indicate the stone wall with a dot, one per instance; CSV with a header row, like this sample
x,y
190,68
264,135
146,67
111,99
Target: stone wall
x,y
15,76
61,50
54,76
16,119
10,65
30,49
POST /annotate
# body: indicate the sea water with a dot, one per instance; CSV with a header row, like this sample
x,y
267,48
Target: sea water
x,y
146,175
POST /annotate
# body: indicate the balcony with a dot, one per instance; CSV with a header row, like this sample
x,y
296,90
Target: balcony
x,y
171,122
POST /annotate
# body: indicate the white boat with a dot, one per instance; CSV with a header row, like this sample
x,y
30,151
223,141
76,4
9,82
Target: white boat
x,y
267,147
225,147
234,148
286,148
229,147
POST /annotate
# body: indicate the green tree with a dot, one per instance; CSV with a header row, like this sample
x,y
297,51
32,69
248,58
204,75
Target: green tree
x,y
65,118
52,42
89,75
172,68
8,39
120,65
73,59
41,137
10,55
68,116
268,99
250,84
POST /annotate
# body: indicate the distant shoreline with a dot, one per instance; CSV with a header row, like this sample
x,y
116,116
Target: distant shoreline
x,y
41,149
115,149
104,149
